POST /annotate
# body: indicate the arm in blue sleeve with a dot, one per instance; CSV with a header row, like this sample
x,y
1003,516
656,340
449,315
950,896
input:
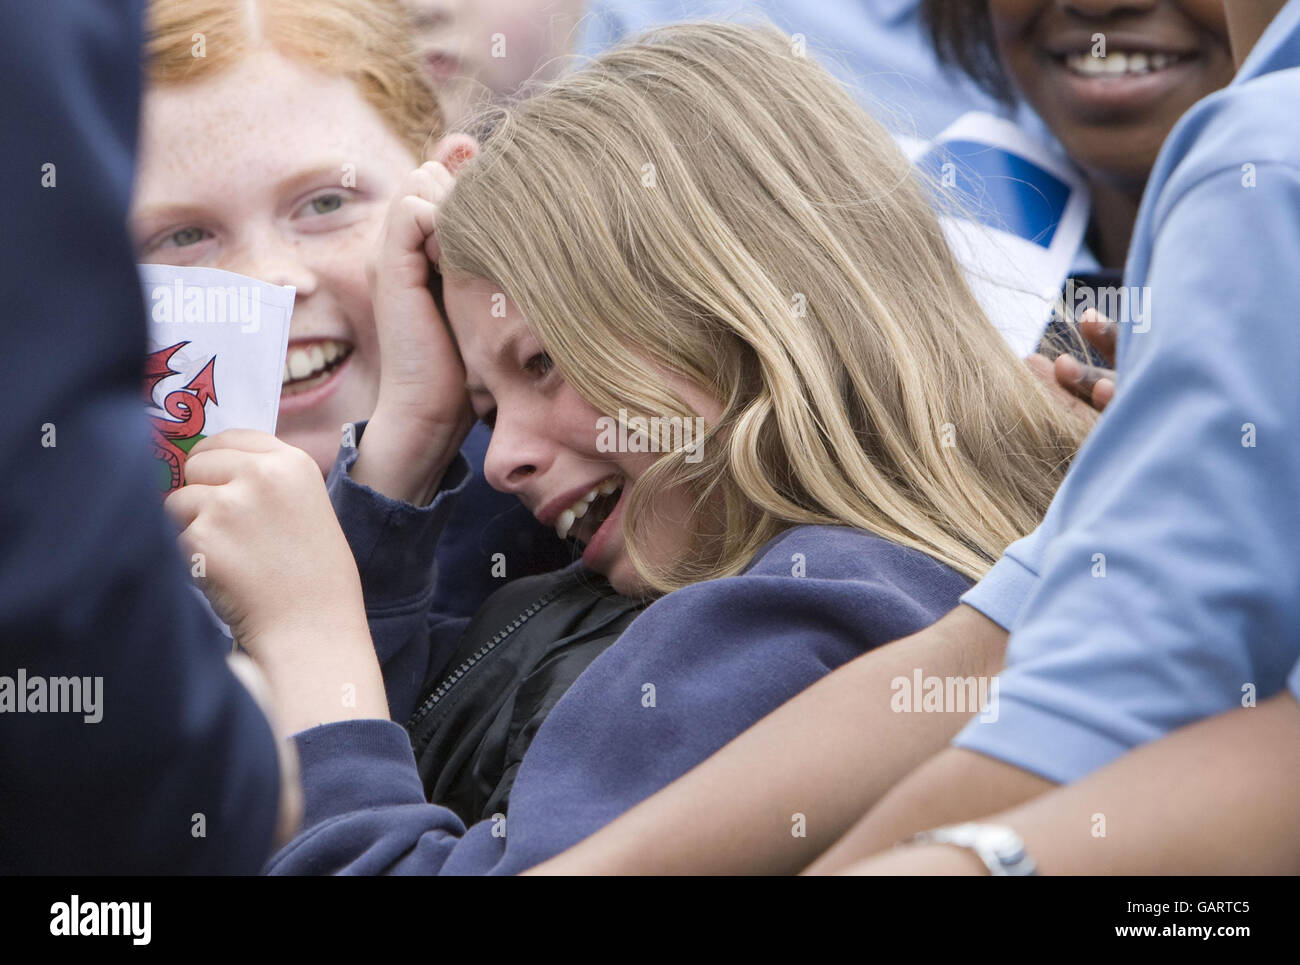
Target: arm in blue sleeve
x,y
1003,590
1169,589
175,768
694,670
394,545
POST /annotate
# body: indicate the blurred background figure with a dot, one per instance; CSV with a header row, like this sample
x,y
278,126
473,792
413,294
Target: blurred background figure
x,y
879,49
476,50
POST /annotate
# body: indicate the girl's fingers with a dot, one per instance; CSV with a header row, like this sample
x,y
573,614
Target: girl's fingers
x,y
1083,380
184,504
1090,376
415,220
1043,369
430,181
1100,333
455,150
1102,393
215,467
414,215
247,440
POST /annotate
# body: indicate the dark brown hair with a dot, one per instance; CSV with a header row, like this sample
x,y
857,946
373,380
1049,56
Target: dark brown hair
x,y
962,33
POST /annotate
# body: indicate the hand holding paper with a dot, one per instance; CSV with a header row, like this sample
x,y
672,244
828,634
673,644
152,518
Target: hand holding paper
x,y
279,571
217,345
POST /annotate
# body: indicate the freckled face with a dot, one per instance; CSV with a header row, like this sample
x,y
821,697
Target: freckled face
x,y
546,439
275,171
1112,114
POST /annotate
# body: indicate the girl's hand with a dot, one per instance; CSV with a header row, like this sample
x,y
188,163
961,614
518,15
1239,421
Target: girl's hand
x,y
1071,380
1094,385
277,568
423,412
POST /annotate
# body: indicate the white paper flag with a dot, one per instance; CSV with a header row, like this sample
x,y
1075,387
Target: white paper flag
x,y
1024,218
215,361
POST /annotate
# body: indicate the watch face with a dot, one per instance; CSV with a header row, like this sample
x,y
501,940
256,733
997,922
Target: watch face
x,y
1003,840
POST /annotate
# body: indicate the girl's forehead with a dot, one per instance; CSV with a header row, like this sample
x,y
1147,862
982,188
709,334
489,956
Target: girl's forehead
x,y
265,117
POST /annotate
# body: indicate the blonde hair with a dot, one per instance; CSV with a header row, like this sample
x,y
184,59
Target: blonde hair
x,y
367,41
703,201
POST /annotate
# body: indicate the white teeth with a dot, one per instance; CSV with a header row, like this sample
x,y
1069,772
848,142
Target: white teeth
x,y
563,524
580,506
299,364
1118,63
304,363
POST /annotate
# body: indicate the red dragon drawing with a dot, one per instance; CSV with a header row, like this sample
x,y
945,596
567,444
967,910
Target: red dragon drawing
x,y
174,437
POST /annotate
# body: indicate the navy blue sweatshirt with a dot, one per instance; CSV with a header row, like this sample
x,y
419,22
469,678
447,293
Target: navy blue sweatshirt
x,y
179,774
491,539
697,668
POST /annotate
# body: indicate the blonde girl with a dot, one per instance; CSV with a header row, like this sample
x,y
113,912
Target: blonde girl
x,y
699,225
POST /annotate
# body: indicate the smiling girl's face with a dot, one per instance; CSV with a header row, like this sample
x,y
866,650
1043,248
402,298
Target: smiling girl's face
x,y
546,439
281,173
1112,114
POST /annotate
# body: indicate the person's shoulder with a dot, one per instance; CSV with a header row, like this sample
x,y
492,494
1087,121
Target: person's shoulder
x,y
844,553
1234,131
1257,115
837,577
823,561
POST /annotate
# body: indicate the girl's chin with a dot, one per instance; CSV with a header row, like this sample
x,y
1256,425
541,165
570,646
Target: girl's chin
x,y
623,577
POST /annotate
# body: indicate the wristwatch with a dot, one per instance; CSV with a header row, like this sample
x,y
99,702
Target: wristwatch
x,y
998,846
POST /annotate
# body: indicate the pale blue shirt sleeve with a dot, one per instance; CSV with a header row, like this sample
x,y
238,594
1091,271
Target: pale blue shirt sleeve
x,y
1005,587
1170,589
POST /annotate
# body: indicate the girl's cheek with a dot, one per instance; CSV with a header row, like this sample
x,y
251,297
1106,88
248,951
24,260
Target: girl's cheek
x,y
340,259
1208,14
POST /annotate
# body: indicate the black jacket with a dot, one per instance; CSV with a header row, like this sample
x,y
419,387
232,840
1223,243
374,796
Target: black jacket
x,y
527,644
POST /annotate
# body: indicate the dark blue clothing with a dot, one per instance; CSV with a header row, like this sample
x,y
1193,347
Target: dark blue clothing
x,y
488,523
91,584
697,668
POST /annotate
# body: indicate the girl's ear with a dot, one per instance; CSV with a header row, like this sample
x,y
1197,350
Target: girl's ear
x,y
454,150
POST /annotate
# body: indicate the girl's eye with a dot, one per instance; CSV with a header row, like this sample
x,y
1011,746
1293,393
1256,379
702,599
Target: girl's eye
x,y
184,238
539,364
489,419
325,203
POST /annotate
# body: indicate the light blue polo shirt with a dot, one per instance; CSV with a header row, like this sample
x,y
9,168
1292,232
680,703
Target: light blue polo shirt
x,y
1164,583
878,48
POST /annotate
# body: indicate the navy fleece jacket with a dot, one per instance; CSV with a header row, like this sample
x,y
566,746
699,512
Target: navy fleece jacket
x,y
91,583
694,670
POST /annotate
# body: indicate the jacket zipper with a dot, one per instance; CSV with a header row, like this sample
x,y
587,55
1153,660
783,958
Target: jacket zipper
x,y
458,674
